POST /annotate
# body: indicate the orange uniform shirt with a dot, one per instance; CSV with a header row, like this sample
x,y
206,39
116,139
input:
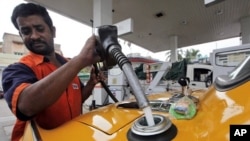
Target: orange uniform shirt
x,y
31,69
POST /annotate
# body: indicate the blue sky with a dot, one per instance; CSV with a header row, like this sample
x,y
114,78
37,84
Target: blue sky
x,y
73,39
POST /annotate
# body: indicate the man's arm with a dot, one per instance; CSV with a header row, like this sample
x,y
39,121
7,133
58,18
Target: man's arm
x,y
51,87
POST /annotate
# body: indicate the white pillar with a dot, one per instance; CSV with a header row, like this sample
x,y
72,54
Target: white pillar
x,y
102,12
173,44
245,30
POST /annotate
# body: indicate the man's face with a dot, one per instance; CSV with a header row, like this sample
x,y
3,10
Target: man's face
x,y
36,34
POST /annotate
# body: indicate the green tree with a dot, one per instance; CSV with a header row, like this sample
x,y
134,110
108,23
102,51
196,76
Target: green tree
x,y
187,54
179,55
168,56
192,54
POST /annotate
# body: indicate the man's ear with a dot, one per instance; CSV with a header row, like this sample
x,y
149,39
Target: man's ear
x,y
54,31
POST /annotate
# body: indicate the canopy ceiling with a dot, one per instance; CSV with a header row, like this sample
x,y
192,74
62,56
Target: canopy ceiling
x,y
157,20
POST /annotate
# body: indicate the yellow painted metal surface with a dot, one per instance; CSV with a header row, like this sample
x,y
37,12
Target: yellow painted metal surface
x,y
216,112
28,134
109,119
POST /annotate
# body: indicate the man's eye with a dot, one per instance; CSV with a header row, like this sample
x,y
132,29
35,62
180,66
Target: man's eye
x,y
39,29
25,31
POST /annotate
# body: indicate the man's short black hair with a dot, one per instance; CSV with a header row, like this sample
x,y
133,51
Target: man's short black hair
x,y
28,9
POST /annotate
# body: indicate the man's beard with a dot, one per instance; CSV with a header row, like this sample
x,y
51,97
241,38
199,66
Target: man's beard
x,y
46,49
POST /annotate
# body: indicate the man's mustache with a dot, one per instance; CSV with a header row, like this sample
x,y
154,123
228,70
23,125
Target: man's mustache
x,y
33,42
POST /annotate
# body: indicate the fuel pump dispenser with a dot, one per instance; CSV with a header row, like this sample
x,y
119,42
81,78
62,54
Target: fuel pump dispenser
x,y
118,84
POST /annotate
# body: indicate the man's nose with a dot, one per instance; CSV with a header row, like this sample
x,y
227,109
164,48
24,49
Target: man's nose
x,y
35,35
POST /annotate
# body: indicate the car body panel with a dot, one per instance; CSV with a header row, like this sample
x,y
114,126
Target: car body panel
x,y
216,111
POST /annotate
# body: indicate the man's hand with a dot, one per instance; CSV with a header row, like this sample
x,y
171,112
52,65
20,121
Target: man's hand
x,y
95,78
88,53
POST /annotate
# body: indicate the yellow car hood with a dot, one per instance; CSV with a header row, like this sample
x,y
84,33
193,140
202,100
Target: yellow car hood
x,y
108,119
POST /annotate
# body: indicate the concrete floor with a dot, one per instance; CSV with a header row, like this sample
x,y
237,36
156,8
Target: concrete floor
x,y
7,120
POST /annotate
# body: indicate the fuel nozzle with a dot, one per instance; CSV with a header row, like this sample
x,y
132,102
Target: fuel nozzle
x,y
107,37
110,51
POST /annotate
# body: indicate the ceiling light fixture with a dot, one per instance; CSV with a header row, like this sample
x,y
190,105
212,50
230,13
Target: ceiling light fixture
x,y
159,14
219,12
184,22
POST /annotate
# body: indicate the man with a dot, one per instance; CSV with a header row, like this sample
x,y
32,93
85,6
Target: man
x,y
43,86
